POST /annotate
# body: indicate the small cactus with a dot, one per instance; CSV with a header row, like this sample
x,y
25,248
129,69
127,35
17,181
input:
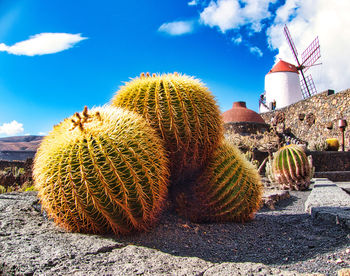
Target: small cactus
x,y
291,168
230,189
102,170
318,144
249,155
2,189
182,110
333,144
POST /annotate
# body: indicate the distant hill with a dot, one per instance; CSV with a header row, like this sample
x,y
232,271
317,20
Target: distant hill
x,y
20,143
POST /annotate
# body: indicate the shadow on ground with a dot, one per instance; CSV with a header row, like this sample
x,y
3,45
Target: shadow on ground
x,y
274,237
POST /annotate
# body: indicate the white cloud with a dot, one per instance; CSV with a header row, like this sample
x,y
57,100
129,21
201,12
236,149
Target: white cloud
x,y
42,133
255,50
255,11
307,19
12,128
177,27
233,14
42,44
224,14
286,11
237,40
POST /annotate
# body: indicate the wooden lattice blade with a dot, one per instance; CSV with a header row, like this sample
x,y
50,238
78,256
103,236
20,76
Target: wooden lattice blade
x,y
308,88
291,43
311,54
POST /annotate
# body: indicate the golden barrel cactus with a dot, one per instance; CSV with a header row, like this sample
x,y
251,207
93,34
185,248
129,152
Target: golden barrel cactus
x,y
230,189
102,170
291,168
182,110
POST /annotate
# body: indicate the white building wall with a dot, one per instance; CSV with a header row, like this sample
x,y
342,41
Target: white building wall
x,y
283,87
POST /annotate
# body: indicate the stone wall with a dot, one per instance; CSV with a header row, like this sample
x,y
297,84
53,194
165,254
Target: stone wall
x,y
325,161
325,109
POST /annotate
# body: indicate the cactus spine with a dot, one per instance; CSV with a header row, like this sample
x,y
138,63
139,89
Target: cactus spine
x,y
102,170
182,110
291,168
229,190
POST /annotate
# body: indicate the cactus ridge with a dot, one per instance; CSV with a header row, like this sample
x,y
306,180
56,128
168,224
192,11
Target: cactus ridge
x,y
229,190
101,171
235,189
183,112
291,168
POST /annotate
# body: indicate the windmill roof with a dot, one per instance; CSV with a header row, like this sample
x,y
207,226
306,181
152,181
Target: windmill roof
x,y
240,113
283,66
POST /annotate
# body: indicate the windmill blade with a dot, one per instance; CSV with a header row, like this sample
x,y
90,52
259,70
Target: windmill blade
x,y
308,87
311,54
291,43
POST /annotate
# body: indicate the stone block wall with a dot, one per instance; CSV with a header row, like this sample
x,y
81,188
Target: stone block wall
x,y
325,161
326,111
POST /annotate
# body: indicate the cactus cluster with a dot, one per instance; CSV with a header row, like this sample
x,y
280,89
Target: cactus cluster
x,y
291,168
102,170
110,168
184,113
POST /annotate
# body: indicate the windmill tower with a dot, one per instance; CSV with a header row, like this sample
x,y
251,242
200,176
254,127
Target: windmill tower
x,y
283,86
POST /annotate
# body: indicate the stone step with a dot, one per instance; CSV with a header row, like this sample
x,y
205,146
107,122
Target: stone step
x,y
334,175
345,186
329,202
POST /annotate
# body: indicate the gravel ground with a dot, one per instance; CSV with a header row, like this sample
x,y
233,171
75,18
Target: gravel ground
x,y
285,238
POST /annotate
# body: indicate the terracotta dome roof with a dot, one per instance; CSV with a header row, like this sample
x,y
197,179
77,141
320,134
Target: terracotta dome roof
x,y
283,66
240,113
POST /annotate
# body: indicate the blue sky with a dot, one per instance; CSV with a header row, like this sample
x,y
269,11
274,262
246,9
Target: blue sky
x,y
58,56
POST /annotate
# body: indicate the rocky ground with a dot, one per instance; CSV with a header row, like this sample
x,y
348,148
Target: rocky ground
x,y
284,241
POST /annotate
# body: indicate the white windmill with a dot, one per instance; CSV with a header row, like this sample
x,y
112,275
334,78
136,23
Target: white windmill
x,y
282,83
